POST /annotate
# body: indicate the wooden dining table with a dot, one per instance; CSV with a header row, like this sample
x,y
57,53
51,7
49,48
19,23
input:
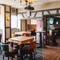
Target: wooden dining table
x,y
20,40
22,33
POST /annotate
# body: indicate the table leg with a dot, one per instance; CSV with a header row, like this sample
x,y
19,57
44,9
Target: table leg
x,y
40,40
21,51
41,44
11,44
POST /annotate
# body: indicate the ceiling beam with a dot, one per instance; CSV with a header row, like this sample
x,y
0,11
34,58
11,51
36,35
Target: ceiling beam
x,y
31,18
41,10
57,11
23,15
48,12
35,14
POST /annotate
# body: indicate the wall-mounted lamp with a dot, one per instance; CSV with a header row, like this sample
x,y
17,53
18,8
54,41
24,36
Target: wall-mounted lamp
x,y
50,32
7,18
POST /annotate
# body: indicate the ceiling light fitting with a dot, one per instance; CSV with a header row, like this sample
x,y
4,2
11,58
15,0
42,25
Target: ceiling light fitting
x,y
26,2
29,8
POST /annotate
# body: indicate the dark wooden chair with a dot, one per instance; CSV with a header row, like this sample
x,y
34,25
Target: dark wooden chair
x,y
47,40
33,33
29,49
8,52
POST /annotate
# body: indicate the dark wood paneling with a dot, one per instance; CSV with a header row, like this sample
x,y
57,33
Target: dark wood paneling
x,y
5,21
10,21
25,25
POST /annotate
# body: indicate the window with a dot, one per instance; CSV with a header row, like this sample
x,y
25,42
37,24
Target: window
x,y
19,21
16,21
33,21
13,21
19,24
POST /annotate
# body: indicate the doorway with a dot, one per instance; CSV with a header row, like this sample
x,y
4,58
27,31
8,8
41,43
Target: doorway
x,y
52,28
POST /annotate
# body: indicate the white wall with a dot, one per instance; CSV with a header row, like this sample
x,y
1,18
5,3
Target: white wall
x,y
2,27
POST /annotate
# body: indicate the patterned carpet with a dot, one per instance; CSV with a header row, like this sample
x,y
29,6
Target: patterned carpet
x,y
39,55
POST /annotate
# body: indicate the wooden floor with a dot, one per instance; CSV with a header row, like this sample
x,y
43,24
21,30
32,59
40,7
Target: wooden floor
x,y
51,52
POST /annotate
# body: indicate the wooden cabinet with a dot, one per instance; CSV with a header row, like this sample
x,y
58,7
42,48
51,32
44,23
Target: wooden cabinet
x,y
31,27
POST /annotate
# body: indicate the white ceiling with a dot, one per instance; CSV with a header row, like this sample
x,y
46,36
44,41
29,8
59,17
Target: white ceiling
x,y
16,4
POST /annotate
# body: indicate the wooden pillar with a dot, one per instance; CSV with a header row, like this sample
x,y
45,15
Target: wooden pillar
x,y
7,22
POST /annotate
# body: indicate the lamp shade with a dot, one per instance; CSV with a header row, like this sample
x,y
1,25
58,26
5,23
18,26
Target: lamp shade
x,y
29,7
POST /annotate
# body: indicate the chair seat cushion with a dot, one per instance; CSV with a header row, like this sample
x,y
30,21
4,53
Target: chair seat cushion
x,y
11,52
